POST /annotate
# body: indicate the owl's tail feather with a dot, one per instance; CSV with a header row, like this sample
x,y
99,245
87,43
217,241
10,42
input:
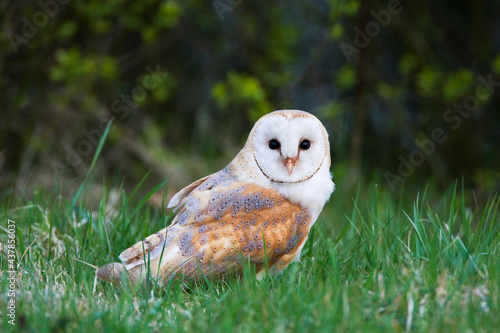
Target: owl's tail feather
x,y
138,262
116,273
111,272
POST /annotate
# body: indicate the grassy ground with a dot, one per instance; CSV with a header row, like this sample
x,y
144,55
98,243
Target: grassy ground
x,y
371,263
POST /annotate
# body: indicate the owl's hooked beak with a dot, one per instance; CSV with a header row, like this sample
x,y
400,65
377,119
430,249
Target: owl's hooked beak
x,y
289,164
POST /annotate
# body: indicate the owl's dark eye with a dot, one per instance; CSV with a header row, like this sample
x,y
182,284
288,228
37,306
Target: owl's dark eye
x,y
274,144
305,144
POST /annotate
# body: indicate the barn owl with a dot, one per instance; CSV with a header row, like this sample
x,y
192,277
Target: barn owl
x,y
258,209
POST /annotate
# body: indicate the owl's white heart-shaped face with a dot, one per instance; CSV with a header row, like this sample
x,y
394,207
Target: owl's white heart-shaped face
x,y
289,147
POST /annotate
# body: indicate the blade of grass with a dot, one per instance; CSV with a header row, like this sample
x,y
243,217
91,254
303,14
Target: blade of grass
x,y
94,161
146,198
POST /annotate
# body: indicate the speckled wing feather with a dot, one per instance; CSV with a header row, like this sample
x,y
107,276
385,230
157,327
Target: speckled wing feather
x,y
220,223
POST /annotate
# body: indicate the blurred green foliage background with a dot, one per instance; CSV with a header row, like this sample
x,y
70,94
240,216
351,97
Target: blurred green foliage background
x,y
186,80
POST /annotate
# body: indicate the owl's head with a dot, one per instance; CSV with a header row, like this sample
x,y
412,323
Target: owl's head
x,y
289,146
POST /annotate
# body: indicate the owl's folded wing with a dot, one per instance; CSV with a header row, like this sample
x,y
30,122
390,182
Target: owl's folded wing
x,y
219,226
231,222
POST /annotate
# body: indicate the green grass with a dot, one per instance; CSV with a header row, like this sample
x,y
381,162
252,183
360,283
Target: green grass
x,y
372,262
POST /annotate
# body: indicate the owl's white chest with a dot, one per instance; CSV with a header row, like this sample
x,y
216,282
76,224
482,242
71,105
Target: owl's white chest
x,y
311,194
